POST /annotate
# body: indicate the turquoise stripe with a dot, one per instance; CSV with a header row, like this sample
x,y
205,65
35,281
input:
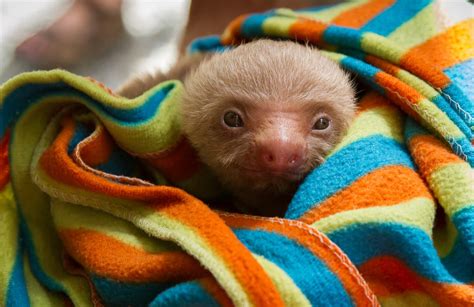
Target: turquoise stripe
x,y
454,116
343,168
463,148
464,221
342,36
391,18
362,242
210,43
35,264
253,25
318,283
17,294
460,261
463,75
116,293
460,102
23,97
364,71
185,294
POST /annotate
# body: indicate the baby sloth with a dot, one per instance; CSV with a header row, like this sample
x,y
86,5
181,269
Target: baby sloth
x,y
263,115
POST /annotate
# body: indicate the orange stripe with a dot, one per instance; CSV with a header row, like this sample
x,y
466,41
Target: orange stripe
x,y
430,154
178,164
382,64
318,244
387,275
308,30
174,202
451,47
360,15
399,92
386,186
211,285
4,164
97,148
247,270
231,35
74,268
111,258
372,100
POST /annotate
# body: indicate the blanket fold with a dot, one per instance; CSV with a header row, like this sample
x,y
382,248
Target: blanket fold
x,y
103,201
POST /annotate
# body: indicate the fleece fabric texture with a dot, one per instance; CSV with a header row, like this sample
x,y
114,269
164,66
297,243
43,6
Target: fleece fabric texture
x,y
103,202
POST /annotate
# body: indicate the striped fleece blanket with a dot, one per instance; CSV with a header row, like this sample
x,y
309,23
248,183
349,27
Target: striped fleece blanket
x,y
103,202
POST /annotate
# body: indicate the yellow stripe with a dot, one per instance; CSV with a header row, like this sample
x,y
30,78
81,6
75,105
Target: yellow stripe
x,y
380,46
289,292
70,216
39,296
423,24
9,238
155,223
385,120
325,15
418,212
453,185
278,26
408,299
445,238
438,119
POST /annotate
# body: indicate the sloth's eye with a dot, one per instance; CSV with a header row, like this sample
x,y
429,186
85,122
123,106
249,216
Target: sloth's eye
x,y
321,123
233,120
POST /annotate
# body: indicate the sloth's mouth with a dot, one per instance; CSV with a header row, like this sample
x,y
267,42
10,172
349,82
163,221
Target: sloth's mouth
x,y
287,175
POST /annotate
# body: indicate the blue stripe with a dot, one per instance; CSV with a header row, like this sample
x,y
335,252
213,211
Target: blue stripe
x,y
252,25
81,132
185,294
16,103
319,284
394,16
462,74
365,72
444,106
35,264
17,293
463,148
464,221
460,102
342,36
344,167
460,262
210,43
115,293
362,242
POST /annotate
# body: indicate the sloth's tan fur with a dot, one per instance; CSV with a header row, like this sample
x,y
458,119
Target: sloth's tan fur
x,y
271,83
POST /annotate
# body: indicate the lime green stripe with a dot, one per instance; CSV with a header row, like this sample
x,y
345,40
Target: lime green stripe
x,y
9,238
69,216
324,15
418,212
409,298
452,185
82,84
444,238
151,221
381,47
39,296
421,86
424,24
289,291
278,26
437,119
35,204
384,120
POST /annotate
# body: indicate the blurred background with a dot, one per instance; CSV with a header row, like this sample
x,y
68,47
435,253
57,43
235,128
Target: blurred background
x,y
110,40
149,38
